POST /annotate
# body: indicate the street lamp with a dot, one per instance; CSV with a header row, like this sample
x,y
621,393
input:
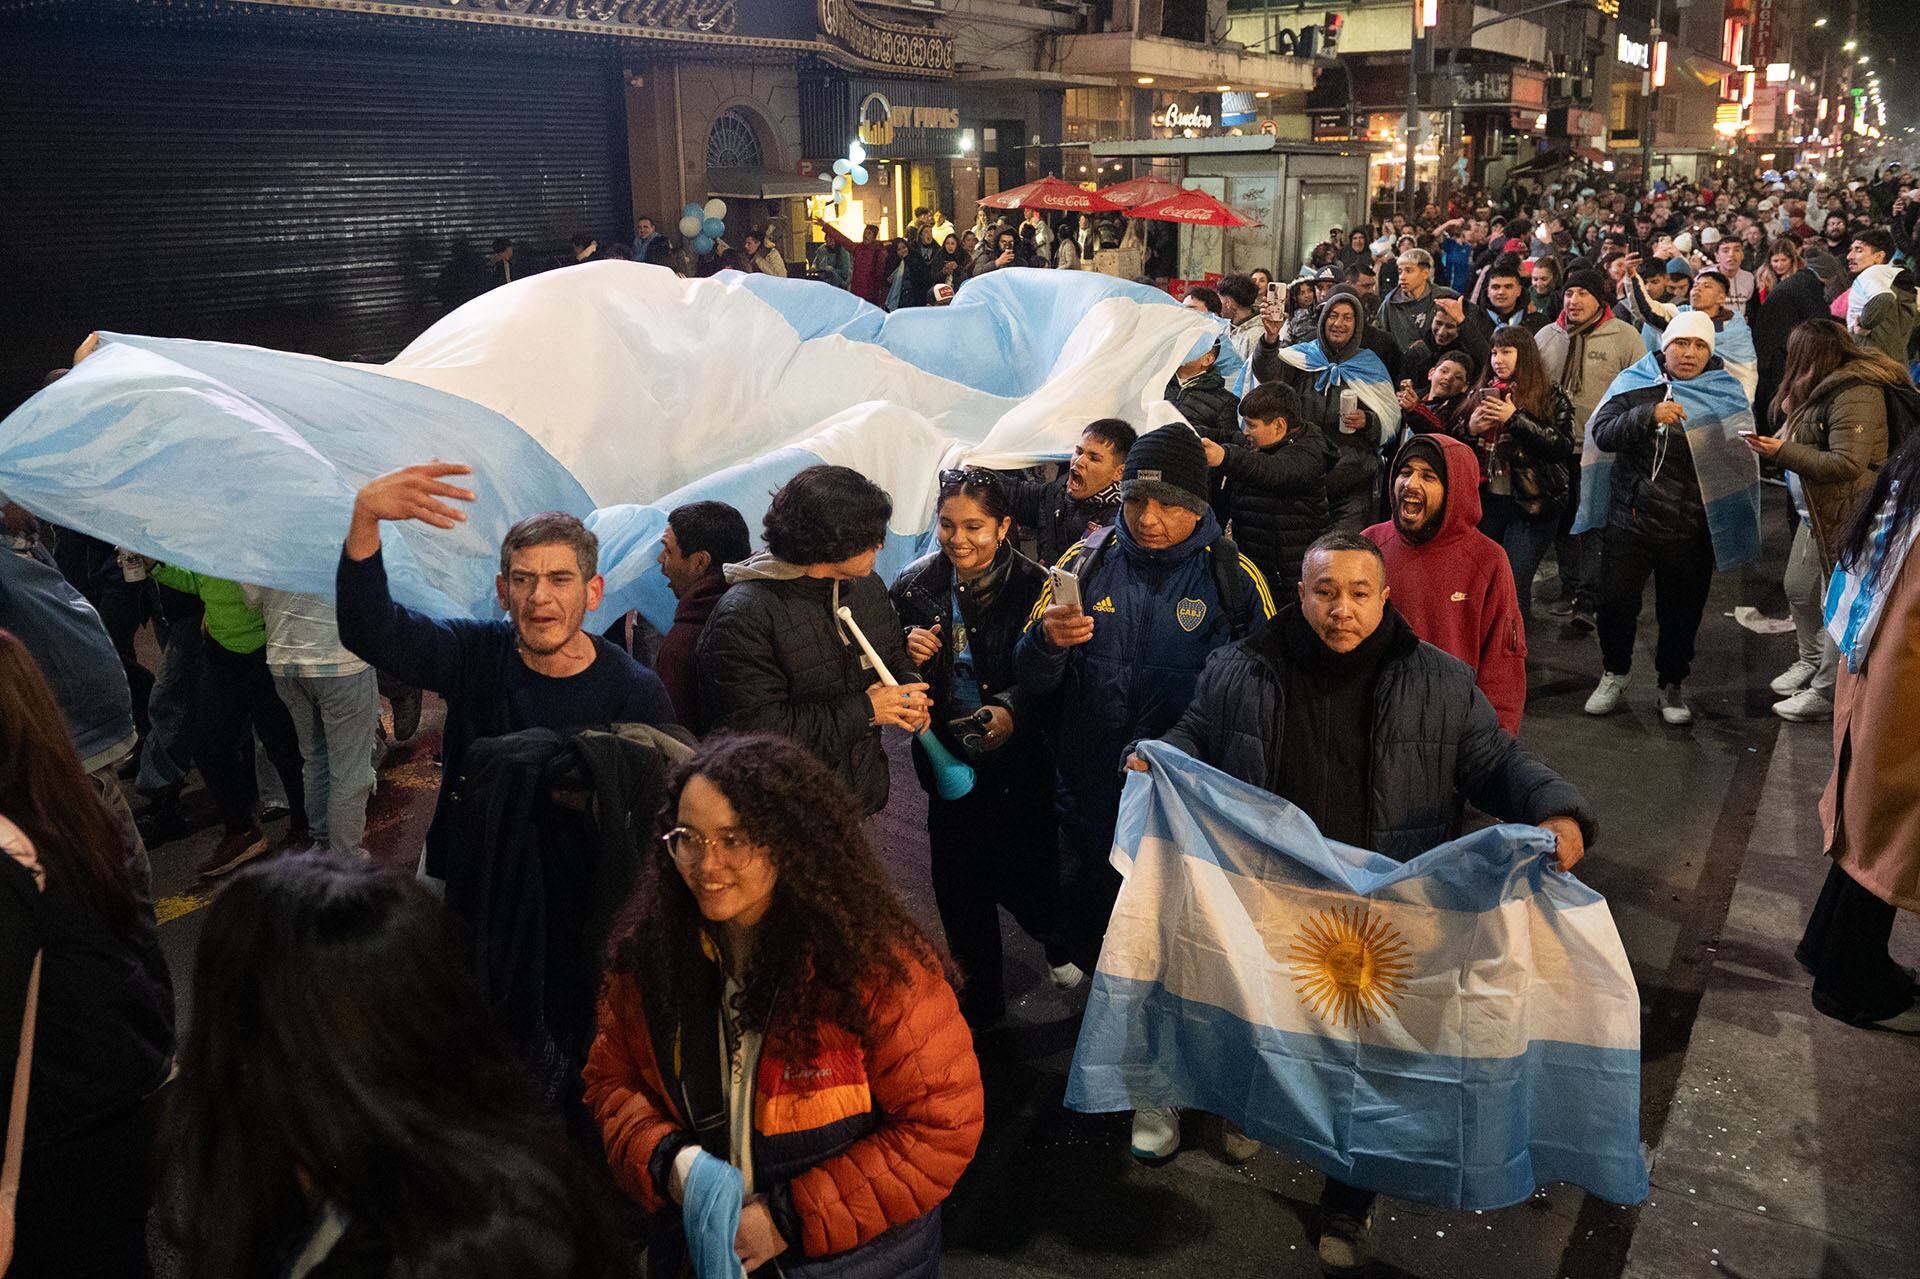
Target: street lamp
x,y
1819,22
1850,45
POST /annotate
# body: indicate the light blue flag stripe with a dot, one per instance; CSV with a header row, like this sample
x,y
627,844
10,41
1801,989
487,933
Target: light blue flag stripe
x,y
266,451
1458,1132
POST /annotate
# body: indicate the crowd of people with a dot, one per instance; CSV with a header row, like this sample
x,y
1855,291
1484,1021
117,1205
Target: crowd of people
x,y
712,1031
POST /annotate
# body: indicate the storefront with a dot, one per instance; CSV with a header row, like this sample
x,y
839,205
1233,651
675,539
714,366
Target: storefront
x,y
941,145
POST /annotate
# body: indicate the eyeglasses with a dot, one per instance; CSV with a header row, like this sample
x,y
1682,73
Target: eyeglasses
x,y
688,847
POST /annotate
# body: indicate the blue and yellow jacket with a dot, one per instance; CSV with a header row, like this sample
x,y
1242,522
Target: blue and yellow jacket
x,y
1158,614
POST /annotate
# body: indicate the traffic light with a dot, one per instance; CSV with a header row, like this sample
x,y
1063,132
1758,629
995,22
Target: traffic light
x,y
1330,34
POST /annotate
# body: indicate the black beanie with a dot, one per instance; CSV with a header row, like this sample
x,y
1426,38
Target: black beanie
x,y
1170,466
1593,281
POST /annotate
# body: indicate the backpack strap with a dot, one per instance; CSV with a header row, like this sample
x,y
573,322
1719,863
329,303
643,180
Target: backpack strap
x,y
1246,609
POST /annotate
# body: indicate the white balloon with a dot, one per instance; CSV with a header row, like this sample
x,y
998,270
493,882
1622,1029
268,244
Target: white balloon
x,y
689,227
716,208
857,153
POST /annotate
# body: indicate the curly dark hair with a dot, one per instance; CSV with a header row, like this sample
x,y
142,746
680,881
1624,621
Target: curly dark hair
x,y
826,514
836,930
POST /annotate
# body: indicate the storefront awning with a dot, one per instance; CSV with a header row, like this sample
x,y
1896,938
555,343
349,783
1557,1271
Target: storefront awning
x,y
761,184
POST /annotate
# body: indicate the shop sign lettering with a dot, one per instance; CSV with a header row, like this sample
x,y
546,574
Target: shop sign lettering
x,y
1177,117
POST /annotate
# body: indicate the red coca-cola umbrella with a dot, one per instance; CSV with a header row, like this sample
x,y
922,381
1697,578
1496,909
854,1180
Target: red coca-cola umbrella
x,y
1194,207
1053,194
1137,191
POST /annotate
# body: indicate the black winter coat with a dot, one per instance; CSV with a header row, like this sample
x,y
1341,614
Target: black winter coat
x,y
775,659
1352,481
1057,520
1660,508
1436,743
996,606
1277,499
1209,406
1538,455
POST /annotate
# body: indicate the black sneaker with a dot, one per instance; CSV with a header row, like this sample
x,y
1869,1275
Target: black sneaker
x,y
1582,621
235,849
1346,1245
406,715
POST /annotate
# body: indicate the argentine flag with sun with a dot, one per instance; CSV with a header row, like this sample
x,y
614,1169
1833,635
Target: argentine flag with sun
x,y
1455,1030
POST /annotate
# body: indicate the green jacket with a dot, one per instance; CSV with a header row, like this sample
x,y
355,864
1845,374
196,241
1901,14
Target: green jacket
x,y
234,624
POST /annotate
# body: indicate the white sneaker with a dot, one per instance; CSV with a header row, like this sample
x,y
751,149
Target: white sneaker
x,y
1673,706
1605,699
1804,706
1156,1134
1795,677
1067,976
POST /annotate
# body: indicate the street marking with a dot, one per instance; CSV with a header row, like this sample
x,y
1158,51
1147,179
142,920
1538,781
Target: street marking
x,y
168,909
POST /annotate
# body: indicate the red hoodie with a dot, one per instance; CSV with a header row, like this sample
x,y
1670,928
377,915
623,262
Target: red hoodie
x,y
1456,589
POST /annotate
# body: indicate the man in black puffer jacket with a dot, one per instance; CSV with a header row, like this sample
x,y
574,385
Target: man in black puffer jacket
x,y
1379,738
1201,395
1276,490
775,656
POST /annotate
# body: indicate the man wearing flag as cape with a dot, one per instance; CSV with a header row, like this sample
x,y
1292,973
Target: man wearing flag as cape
x,y
1448,1022
1666,474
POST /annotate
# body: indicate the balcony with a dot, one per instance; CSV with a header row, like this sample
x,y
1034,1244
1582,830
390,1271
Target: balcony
x,y
1127,57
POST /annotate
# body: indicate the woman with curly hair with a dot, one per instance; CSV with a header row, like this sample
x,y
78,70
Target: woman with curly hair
x,y
775,657
770,1004
346,1106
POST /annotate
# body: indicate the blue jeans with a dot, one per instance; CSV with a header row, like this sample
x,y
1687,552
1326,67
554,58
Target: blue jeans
x,y
167,754
1525,538
335,716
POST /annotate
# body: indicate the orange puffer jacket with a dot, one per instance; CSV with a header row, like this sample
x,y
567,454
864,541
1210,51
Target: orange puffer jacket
x,y
855,1146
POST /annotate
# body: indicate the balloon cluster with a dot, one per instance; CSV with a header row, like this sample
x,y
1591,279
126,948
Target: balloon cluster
x,y
847,174
702,224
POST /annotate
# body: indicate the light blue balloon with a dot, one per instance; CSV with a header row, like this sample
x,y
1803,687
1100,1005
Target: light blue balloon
x,y
842,166
692,211
859,175
712,229
703,244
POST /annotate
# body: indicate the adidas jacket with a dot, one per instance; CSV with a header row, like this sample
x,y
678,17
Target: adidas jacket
x,y
1157,617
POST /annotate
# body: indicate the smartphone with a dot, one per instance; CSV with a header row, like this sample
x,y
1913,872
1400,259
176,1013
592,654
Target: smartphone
x,y
1273,293
1066,586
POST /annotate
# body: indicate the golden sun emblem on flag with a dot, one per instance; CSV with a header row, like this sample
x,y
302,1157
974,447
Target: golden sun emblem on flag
x,y
1349,966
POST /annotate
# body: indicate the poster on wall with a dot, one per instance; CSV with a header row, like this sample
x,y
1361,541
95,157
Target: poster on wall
x,y
1253,247
1203,248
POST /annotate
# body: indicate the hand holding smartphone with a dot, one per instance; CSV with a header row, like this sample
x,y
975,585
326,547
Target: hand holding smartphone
x,y
1066,586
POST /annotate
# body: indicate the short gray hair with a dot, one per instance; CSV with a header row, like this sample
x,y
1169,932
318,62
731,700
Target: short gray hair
x,y
1419,258
546,529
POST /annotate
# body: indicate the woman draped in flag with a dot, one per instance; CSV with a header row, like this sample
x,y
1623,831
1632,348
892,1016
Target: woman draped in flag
x,y
1347,393
1733,340
1666,474
1869,824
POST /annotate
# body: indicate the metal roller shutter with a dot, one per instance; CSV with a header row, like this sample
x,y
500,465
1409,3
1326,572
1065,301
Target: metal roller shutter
x,y
310,194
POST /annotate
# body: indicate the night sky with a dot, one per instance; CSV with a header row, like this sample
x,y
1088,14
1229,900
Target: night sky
x,y
1885,35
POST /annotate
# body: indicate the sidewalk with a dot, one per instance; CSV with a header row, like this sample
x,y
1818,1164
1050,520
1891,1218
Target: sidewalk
x,y
1791,1150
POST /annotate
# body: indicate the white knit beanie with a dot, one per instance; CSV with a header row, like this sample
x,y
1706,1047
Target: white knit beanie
x,y
1688,324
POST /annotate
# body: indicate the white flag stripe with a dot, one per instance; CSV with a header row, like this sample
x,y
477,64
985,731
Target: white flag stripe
x,y
1481,993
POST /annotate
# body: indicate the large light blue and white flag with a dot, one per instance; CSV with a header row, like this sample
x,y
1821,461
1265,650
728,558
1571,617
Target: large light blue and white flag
x,y
1455,1030
613,390
1718,410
